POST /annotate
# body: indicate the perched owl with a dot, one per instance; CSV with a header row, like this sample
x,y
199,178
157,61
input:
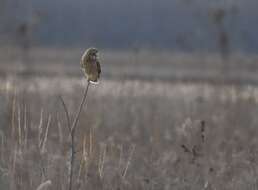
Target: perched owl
x,y
90,65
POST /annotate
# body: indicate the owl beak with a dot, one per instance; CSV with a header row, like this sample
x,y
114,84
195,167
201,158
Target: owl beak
x,y
94,57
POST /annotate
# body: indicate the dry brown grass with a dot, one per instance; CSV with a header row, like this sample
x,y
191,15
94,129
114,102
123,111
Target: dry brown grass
x,y
133,135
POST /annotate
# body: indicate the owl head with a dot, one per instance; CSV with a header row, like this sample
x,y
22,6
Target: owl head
x,y
91,54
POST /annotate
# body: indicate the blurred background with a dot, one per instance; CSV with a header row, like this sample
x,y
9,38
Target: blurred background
x,y
178,84
178,25
164,33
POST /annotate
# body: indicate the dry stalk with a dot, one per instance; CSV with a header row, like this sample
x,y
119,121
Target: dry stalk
x,y
84,158
40,128
2,146
72,130
83,163
25,126
102,158
91,141
128,162
19,128
120,157
66,114
44,185
76,119
14,160
44,140
13,114
60,132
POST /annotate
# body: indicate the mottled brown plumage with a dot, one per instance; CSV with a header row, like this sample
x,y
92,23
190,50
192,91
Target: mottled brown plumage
x,y
90,65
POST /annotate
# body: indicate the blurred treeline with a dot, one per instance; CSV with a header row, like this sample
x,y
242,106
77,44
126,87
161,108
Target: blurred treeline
x,y
183,25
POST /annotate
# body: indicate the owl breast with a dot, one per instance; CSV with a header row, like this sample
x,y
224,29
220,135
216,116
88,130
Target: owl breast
x,y
91,71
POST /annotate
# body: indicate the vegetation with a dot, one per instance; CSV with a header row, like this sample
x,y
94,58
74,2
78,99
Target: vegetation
x,y
176,107
132,135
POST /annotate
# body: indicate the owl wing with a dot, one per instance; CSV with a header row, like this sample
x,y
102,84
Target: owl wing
x,y
98,67
82,64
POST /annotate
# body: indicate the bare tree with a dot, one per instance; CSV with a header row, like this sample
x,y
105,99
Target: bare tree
x,y
18,21
217,16
24,31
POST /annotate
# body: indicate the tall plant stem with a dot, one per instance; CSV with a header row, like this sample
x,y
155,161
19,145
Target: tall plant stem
x,y
72,133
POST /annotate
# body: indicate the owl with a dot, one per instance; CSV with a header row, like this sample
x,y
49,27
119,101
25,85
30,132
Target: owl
x,y
90,65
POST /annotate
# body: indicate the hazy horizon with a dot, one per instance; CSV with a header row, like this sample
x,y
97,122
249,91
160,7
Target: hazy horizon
x,y
182,25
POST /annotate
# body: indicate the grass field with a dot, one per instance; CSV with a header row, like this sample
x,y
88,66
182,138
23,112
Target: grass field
x,y
134,132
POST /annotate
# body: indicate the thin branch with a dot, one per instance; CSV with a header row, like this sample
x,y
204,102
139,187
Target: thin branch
x,y
72,133
76,119
66,113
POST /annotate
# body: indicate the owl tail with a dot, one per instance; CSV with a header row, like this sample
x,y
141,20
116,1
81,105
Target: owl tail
x,y
93,82
93,79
